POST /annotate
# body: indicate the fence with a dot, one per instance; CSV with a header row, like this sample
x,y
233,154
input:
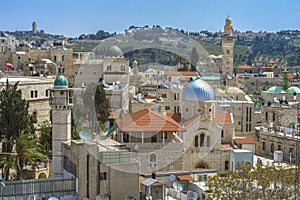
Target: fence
x,y
45,187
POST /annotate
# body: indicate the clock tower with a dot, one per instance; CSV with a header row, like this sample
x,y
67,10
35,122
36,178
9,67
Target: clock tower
x,y
227,47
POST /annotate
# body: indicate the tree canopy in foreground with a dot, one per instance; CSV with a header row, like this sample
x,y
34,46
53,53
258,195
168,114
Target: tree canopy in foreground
x,y
261,182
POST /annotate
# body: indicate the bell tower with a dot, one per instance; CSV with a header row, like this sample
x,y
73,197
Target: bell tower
x,y
61,105
227,47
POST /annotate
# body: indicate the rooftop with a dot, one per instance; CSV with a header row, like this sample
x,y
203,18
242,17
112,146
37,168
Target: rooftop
x,y
149,121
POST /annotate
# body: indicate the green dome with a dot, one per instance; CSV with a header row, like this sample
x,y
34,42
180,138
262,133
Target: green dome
x,y
275,89
293,89
61,81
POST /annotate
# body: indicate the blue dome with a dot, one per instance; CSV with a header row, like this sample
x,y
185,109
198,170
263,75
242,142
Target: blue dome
x,y
61,81
198,91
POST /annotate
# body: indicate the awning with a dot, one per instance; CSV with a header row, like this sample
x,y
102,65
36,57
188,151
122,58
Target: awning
x,y
185,177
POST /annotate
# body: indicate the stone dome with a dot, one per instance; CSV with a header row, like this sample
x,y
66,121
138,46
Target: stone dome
x,y
114,51
293,89
198,91
275,89
61,81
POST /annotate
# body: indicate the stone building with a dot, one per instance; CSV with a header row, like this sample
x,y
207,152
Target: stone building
x,y
98,165
36,91
201,137
279,130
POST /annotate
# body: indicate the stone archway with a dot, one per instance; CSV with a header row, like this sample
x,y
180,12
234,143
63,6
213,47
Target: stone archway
x,y
202,164
43,175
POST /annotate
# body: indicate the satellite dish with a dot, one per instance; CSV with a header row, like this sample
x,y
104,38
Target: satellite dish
x,y
248,98
136,147
53,198
191,195
104,197
177,186
229,77
85,135
129,198
174,194
172,177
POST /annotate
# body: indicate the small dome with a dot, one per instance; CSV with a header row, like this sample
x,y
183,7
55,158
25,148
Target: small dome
x,y
228,20
61,81
275,89
234,90
293,89
198,91
114,51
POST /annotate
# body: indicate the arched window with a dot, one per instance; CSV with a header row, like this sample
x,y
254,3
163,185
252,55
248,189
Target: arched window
x,y
153,160
279,147
272,148
152,157
226,167
34,115
202,137
196,142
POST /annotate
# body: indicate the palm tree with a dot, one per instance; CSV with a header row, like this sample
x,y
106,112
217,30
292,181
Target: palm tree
x,y
28,149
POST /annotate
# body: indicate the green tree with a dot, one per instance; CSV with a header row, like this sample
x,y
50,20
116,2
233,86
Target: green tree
x,y
285,82
97,105
262,182
102,105
194,59
14,119
45,137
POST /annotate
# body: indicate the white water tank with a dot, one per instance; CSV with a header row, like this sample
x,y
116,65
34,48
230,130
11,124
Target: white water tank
x,y
278,156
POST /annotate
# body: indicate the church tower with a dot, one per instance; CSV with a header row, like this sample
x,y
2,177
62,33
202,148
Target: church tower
x,y
61,105
227,47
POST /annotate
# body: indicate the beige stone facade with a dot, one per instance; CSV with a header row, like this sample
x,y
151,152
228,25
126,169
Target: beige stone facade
x,y
101,168
36,91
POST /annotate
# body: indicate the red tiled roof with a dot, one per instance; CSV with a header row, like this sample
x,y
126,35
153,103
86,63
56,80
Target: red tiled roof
x,y
245,67
244,141
147,120
185,177
220,117
176,73
175,116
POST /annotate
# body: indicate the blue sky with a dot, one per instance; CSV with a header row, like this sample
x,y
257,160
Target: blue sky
x,y
72,17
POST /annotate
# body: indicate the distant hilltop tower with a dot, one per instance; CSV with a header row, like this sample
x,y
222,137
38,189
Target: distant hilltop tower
x,y
34,27
61,105
227,47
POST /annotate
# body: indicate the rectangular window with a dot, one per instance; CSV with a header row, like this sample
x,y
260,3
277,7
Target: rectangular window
x,y
47,93
240,108
62,58
164,95
35,93
208,141
103,176
31,94
167,107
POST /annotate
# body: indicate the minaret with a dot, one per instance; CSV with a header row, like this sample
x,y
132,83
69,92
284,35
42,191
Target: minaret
x,y
227,47
61,105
